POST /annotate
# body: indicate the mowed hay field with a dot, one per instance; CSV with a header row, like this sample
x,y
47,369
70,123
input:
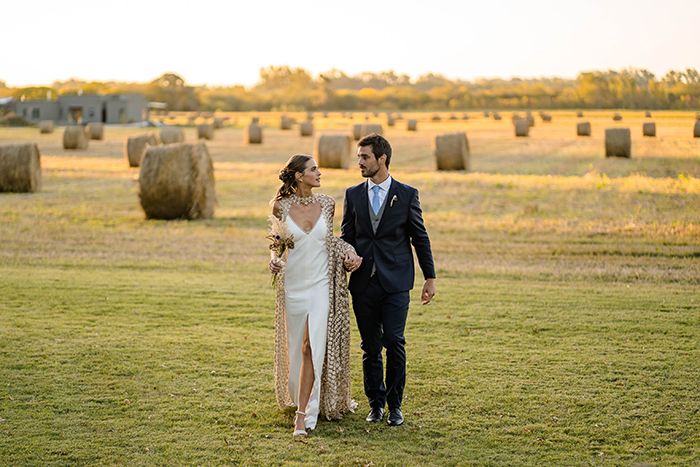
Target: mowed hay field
x,y
566,328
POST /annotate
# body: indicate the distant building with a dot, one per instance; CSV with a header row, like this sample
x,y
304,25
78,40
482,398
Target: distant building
x,y
113,108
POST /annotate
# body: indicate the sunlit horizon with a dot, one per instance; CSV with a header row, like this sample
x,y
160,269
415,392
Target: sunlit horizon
x,y
224,45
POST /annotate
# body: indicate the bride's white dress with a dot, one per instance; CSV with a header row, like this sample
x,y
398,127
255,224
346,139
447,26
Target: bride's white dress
x,y
306,299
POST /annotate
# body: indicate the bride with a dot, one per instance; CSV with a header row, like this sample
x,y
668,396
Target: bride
x,y
312,322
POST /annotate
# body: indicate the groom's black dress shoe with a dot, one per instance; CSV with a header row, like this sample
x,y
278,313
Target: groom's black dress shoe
x,y
395,417
375,415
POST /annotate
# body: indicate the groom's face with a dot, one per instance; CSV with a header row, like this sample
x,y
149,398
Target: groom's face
x,y
369,165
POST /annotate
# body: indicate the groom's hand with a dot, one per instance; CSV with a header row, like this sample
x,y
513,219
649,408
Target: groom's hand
x,y
429,290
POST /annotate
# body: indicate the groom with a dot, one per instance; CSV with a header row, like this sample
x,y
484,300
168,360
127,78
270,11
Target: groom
x,y
381,219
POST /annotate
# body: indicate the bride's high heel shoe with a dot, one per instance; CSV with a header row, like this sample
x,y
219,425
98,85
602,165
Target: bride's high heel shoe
x,y
298,433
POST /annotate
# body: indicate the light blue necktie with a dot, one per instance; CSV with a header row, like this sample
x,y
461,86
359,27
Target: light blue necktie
x,y
375,199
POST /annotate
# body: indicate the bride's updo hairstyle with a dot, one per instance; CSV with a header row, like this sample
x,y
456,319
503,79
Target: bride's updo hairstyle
x,y
296,163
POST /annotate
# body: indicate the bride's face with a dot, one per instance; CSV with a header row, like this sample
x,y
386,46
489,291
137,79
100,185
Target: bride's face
x,y
311,175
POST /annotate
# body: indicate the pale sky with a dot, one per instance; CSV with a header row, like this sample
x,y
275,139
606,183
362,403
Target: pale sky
x,y
227,42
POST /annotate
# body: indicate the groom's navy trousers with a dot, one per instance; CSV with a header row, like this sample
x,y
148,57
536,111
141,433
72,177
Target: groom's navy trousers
x,y
380,287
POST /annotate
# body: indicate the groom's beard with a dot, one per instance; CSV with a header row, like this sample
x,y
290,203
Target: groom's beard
x,y
367,173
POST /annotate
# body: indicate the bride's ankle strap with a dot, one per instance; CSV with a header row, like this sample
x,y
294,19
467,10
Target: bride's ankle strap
x,y
300,412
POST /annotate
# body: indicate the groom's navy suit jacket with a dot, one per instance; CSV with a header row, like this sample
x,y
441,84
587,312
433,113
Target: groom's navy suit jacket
x,y
389,248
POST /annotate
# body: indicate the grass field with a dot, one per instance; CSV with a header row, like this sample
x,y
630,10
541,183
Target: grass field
x,y
566,329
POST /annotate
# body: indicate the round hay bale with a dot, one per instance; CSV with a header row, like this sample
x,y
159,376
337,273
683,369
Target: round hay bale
x,y
696,129
583,129
96,130
515,116
497,116
20,168
171,134
218,123
205,131
75,137
285,123
390,121
435,118
486,114
617,117
522,127
136,147
375,114
176,181
453,117
697,116
369,128
618,142
46,126
306,128
357,131
465,116
253,134
333,151
579,114
191,120
411,124
255,120
366,117
649,129
452,151
399,116
546,117
309,116
647,114
325,114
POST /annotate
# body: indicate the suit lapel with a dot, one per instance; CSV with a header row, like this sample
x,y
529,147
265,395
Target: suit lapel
x,y
363,207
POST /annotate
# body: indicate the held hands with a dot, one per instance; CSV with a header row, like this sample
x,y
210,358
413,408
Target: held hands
x,y
429,290
276,265
351,261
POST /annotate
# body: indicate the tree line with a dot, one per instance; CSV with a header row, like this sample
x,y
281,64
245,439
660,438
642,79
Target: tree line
x,y
287,88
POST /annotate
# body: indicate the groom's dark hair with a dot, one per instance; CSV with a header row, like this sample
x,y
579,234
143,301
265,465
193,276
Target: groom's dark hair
x,y
380,146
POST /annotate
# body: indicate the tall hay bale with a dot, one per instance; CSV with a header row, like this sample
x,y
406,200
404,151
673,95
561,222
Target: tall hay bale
x,y
306,128
255,120
176,181
136,147
390,121
369,128
399,116
46,126
325,114
452,151
309,116
333,151
522,127
497,116
618,142
583,129
530,119
617,117
96,130
253,134
171,134
579,114
357,131
75,137
649,129
411,124
20,168
285,123
218,123
696,129
205,131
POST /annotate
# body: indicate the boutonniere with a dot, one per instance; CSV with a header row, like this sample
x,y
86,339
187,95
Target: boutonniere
x,y
391,204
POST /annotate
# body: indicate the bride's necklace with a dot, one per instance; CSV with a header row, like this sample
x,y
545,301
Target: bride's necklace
x,y
303,200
